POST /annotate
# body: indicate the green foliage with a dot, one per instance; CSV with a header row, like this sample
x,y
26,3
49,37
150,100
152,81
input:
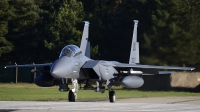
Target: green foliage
x,y
5,45
172,40
168,30
22,30
61,27
188,20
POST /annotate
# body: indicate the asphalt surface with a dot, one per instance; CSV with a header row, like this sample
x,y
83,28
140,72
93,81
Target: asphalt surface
x,y
164,104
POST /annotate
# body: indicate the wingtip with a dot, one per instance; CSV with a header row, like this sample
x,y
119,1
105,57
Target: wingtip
x,y
192,69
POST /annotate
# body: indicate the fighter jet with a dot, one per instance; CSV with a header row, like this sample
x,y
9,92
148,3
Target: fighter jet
x,y
73,64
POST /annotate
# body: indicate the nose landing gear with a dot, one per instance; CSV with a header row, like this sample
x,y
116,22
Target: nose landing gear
x,y
72,96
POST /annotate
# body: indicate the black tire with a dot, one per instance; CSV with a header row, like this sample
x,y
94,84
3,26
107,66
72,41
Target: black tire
x,y
71,96
112,96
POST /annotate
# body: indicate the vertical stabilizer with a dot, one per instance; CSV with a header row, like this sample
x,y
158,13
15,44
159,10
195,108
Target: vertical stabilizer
x,y
85,37
134,54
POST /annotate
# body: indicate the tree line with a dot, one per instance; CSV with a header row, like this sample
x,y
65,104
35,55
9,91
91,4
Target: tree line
x,y
37,30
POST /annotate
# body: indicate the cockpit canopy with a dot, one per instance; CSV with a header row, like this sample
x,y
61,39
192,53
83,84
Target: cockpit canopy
x,y
70,51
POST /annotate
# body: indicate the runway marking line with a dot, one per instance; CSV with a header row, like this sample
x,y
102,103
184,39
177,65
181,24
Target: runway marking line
x,y
183,101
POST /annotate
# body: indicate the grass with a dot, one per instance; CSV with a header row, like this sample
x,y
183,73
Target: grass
x,y
31,92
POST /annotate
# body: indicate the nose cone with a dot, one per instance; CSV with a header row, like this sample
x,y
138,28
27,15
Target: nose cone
x,y
61,68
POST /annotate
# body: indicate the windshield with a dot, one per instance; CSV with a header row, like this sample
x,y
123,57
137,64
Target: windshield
x,y
70,51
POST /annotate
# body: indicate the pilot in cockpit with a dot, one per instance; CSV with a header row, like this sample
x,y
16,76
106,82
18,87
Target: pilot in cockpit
x,y
70,51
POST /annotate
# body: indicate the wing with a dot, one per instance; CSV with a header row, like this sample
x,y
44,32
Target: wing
x,y
29,65
148,69
122,65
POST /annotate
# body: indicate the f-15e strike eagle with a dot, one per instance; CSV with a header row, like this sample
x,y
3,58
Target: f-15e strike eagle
x,y
73,64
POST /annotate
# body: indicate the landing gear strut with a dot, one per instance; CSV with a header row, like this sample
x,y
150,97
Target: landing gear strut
x,y
99,87
72,96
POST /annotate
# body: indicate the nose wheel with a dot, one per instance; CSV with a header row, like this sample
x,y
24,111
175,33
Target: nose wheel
x,y
72,96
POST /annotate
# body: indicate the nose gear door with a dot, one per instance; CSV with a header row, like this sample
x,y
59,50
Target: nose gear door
x,y
75,69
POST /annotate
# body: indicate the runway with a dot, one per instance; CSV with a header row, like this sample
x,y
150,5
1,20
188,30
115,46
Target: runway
x,y
166,104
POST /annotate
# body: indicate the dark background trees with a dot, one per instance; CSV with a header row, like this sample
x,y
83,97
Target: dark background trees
x,y
5,45
37,30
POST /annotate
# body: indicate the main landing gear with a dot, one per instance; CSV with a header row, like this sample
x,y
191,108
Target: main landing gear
x,y
112,97
101,89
